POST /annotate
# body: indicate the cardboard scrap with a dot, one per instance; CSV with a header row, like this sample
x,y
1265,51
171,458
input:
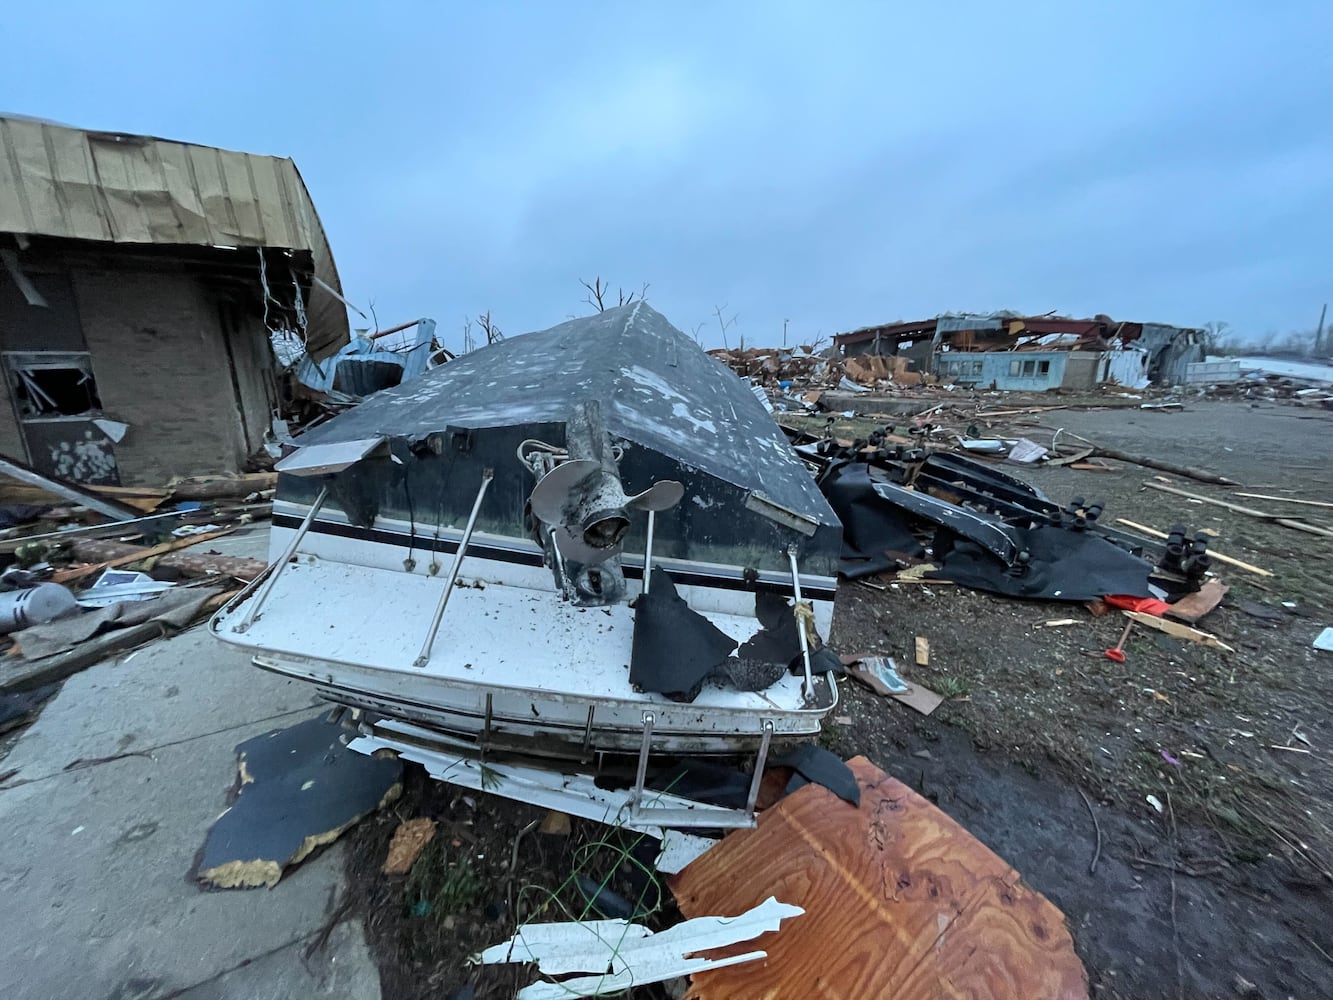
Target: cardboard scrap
x,y
408,842
922,651
880,674
923,699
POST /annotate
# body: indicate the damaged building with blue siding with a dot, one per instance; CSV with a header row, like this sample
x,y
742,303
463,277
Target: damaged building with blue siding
x,y
1035,353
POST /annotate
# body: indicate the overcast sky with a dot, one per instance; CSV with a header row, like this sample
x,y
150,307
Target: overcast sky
x,y
832,164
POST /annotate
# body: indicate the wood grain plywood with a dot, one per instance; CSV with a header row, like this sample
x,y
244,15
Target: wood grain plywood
x,y
900,901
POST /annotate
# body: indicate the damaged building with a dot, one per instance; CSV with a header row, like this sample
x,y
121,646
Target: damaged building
x,y
140,283
1036,353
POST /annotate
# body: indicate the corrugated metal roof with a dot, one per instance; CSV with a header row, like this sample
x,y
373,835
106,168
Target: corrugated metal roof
x,y
115,188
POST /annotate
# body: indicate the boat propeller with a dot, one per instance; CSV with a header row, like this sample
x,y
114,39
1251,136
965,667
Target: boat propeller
x,y
589,509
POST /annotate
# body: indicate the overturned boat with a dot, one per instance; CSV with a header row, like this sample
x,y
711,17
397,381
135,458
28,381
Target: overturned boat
x,y
588,549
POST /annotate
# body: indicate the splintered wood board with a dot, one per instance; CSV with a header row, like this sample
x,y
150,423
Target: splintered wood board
x,y
900,901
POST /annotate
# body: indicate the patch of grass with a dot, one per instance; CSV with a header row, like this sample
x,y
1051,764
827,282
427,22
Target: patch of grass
x,y
438,887
951,687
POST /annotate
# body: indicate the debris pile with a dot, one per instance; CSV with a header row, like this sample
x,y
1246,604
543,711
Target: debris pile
x,y
851,855
94,570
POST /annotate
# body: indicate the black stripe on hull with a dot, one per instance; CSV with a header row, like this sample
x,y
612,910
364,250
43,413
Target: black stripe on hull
x,y
427,543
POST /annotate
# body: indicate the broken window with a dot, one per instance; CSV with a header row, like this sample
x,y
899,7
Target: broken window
x,y
974,367
1043,367
1029,369
49,384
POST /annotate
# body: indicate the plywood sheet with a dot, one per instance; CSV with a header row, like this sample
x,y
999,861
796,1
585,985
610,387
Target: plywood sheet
x,y
900,901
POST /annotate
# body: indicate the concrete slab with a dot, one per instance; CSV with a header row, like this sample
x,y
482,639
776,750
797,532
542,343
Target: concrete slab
x,y
95,873
341,970
171,690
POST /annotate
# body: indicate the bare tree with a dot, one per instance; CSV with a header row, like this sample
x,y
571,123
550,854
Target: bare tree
x,y
488,327
467,335
726,324
695,334
599,294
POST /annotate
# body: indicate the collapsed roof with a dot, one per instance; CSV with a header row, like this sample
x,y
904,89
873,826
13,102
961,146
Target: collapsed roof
x,y
111,187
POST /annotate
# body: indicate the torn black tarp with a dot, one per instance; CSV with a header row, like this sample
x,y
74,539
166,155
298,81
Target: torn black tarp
x,y
874,534
1059,564
675,648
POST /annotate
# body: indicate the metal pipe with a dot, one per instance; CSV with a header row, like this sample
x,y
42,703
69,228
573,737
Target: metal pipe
x,y
636,797
759,762
424,656
648,551
283,562
808,686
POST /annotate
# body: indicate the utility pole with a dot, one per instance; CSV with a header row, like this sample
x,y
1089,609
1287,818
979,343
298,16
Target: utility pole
x,y
1319,332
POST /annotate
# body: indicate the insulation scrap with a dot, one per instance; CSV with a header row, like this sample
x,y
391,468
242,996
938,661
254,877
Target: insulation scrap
x,y
407,844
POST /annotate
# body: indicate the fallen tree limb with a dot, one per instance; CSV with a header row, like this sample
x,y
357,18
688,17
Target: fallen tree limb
x,y
1152,463
1154,533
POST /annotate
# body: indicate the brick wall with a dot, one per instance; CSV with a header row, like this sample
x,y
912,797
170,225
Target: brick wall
x,y
161,366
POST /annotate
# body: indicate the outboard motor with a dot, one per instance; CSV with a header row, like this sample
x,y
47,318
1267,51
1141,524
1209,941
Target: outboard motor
x,y
586,511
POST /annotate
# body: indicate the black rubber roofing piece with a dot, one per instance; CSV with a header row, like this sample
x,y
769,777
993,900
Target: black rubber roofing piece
x,y
675,648
871,528
1062,565
300,788
813,763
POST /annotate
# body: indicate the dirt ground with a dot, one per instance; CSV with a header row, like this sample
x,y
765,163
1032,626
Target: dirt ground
x,y
1045,749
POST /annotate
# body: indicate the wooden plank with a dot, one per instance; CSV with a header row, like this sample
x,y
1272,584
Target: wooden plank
x,y
900,901
1178,630
1154,533
922,651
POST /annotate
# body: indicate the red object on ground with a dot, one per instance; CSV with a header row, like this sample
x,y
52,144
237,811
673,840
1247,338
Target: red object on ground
x,y
1148,605
1115,654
